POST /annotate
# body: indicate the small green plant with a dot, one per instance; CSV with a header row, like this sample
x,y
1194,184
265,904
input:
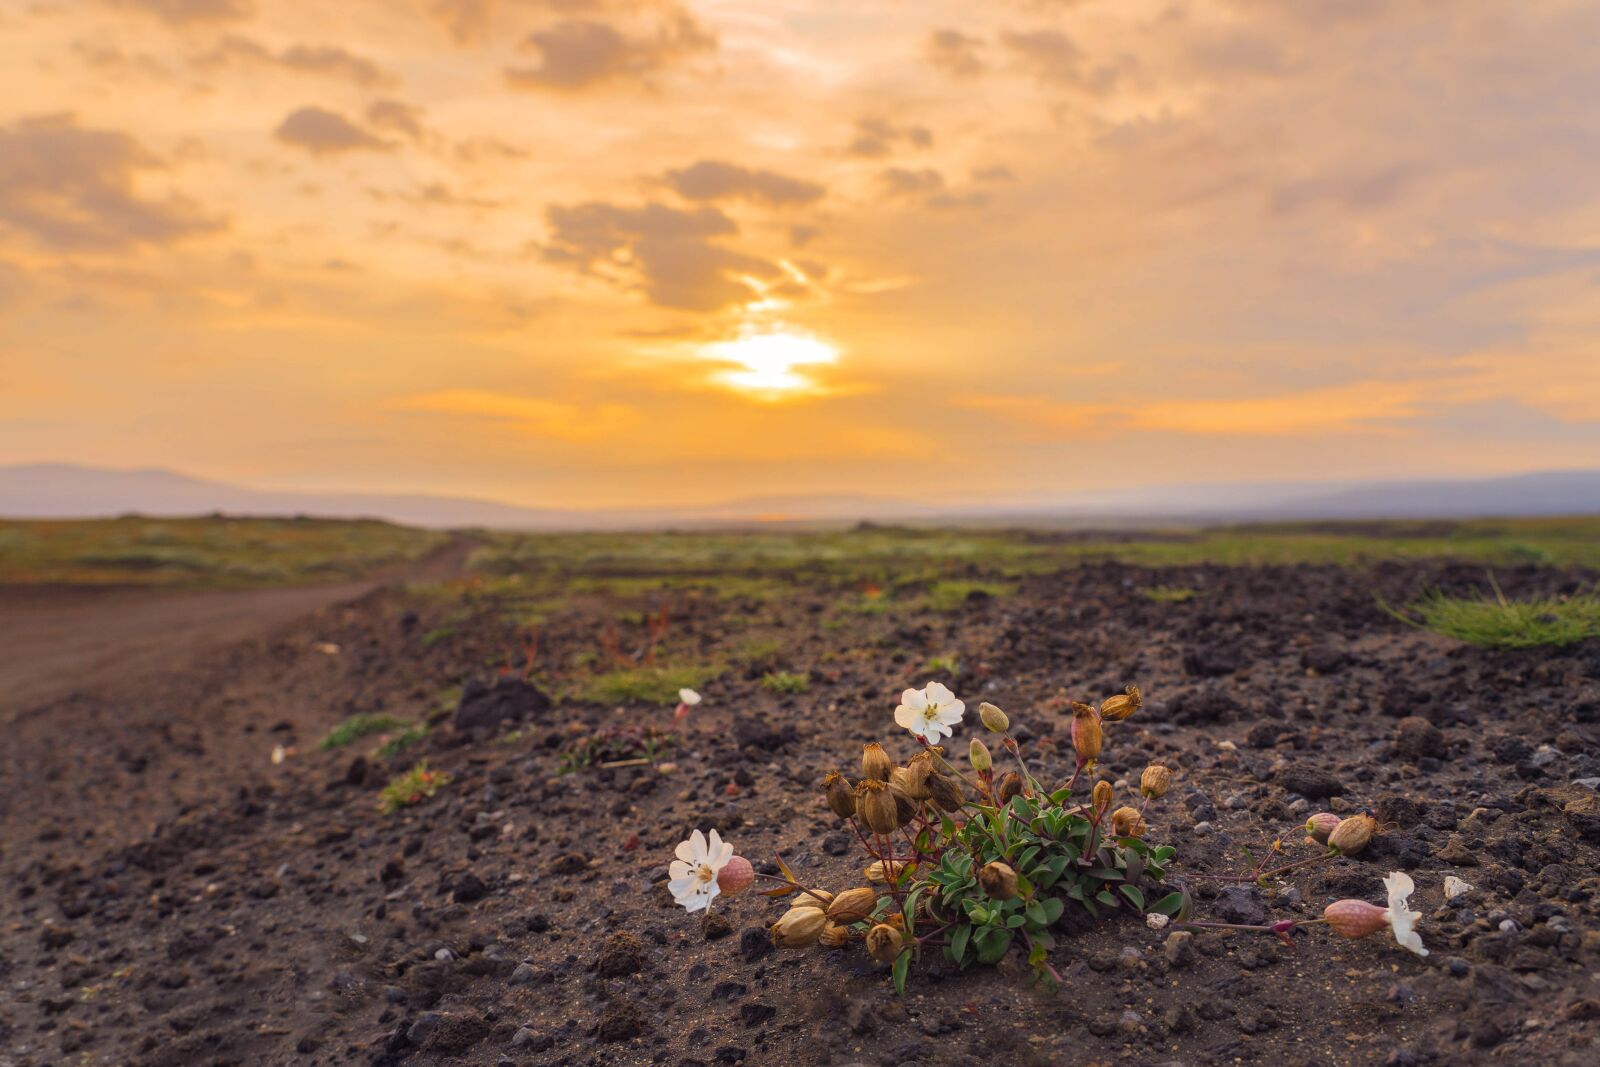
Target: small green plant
x,y
357,727
787,682
1170,594
438,635
403,740
948,666
954,596
615,744
413,787
1497,622
645,685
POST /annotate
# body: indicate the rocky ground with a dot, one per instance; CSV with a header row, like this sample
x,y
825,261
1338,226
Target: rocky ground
x,y
174,895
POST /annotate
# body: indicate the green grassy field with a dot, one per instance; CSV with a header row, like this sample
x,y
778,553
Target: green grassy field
x,y
203,552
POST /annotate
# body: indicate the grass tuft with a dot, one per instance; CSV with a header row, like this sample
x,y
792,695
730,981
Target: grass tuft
x,y
357,727
645,685
402,740
1170,594
1496,622
786,682
953,596
412,787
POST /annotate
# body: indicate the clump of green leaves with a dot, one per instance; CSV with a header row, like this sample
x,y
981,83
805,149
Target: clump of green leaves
x,y
646,685
1170,594
954,595
615,744
402,740
1498,622
948,666
786,682
358,726
418,784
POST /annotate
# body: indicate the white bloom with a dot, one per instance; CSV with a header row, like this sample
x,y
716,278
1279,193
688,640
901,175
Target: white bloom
x,y
694,872
1155,920
1402,920
689,697
929,712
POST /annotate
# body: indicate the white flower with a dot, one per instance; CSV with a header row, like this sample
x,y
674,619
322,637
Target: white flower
x,y
929,712
689,697
1402,920
1155,920
694,872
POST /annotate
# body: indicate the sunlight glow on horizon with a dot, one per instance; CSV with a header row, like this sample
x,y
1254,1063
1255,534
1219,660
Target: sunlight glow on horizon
x,y
769,361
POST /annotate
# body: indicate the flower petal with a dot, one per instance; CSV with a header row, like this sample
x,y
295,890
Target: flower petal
x,y
685,850
951,714
679,869
688,696
938,693
906,717
680,886
914,699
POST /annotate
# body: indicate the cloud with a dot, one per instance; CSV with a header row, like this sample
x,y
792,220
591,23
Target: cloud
x,y
666,252
74,188
329,60
903,181
530,415
876,137
180,12
323,132
1051,56
996,173
579,54
1356,192
715,180
396,116
955,53
467,20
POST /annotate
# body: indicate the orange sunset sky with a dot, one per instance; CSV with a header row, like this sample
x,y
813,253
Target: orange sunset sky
x,y
596,252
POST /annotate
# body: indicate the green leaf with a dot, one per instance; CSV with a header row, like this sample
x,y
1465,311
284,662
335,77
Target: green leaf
x,y
1027,856
994,946
1106,898
1135,897
1035,913
958,941
1169,904
1164,854
1052,907
1108,874
902,965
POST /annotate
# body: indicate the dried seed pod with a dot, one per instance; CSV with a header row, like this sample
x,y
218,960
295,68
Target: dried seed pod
x,y
853,905
1086,735
884,943
993,718
1101,797
877,872
1355,918
841,800
835,935
1117,708
945,792
1352,834
1010,786
812,898
799,927
876,806
1320,825
912,780
1155,781
978,755
998,880
736,876
905,809
875,762
1127,822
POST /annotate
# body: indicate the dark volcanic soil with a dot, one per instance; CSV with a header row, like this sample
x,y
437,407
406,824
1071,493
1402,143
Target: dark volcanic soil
x,y
172,896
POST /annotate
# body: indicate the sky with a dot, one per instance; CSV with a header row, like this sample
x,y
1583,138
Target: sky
x,y
598,253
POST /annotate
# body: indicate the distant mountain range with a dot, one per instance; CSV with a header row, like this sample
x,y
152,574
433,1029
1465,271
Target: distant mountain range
x,y
61,490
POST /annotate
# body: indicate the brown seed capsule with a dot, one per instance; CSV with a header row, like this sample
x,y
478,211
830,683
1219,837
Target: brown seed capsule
x,y
875,762
998,880
835,935
978,756
884,943
945,792
1127,822
1086,734
1010,786
1355,918
1155,781
1117,708
1352,834
853,905
912,780
799,927
812,898
842,801
876,872
1101,797
1320,825
993,718
876,807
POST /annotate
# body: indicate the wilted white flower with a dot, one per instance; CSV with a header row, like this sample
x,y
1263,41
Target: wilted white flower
x,y
1402,920
689,697
929,712
694,872
1156,921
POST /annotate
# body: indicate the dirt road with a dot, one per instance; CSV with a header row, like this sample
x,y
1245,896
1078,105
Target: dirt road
x,y
59,640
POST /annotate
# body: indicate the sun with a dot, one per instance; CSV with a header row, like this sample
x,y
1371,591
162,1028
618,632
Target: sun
x,y
763,364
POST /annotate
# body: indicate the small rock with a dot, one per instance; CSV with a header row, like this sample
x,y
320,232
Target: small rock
x,y
525,974
1416,737
755,944
1241,904
1308,781
620,1021
1455,888
1202,829
1456,853
467,888
506,699
1179,948
715,926
622,954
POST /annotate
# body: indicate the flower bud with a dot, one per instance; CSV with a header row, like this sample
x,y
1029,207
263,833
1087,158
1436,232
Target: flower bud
x,y
998,880
1086,736
875,762
978,755
1117,708
1355,918
1320,825
1010,786
1127,822
945,792
884,943
876,807
736,876
1101,797
993,718
1155,781
1352,834
836,787
834,935
853,905
798,927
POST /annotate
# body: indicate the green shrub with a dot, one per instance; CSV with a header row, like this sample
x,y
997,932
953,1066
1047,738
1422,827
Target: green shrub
x,y
357,727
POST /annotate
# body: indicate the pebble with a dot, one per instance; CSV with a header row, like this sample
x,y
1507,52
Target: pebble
x,y
1455,888
1544,755
525,974
1179,948
1202,829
